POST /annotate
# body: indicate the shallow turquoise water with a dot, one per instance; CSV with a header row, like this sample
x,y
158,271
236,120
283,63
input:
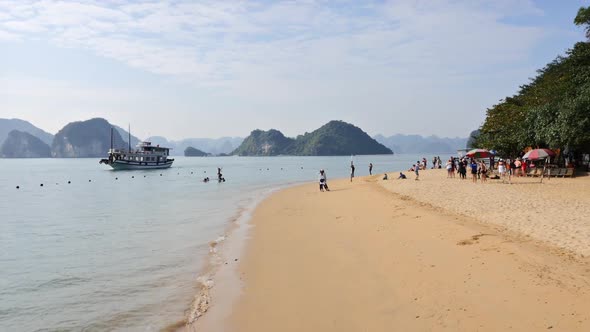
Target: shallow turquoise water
x,y
120,250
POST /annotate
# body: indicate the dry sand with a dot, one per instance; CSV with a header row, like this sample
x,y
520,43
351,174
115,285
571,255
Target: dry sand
x,y
405,255
556,211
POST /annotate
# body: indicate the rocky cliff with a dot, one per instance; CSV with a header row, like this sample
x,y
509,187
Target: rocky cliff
x,y
7,125
91,138
20,144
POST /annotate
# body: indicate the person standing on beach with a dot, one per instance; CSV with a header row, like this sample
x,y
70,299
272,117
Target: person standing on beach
x,y
483,171
502,167
323,181
370,168
416,170
449,168
517,166
474,170
351,170
462,170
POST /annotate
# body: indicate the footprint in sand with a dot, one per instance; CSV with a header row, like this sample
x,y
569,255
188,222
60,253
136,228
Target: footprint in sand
x,y
474,239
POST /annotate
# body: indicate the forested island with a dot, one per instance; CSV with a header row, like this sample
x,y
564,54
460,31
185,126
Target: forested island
x,y
336,138
193,152
551,111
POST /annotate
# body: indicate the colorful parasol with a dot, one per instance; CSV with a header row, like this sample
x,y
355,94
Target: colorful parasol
x,y
479,153
537,154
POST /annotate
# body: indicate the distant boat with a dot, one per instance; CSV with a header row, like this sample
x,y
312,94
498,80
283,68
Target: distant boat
x,y
145,156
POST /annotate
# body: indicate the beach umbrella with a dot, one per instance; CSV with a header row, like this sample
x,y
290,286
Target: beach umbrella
x,y
479,153
537,154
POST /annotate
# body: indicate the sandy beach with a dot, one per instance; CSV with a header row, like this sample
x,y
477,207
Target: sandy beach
x,y
404,255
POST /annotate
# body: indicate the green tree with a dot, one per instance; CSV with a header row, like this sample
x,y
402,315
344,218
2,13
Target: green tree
x,y
552,110
583,19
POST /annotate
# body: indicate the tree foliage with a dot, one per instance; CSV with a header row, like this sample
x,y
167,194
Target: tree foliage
x,y
552,110
583,18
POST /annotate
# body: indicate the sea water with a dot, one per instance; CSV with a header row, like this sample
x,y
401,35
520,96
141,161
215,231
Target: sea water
x,y
97,249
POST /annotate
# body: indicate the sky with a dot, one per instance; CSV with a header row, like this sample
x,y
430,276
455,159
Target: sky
x,y
184,69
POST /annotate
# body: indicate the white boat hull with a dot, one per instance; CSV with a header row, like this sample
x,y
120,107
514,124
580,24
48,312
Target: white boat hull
x,y
122,164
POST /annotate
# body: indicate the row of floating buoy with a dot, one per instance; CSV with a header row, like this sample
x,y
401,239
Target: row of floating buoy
x,y
133,177
116,178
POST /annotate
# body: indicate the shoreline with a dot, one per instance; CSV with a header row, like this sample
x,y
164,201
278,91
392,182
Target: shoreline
x,y
218,284
522,255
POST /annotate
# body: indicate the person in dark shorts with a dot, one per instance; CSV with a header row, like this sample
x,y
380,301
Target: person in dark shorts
x,y
473,166
462,170
370,168
351,170
323,181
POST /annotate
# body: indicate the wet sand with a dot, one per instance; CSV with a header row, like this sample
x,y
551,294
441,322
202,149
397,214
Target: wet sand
x,y
370,256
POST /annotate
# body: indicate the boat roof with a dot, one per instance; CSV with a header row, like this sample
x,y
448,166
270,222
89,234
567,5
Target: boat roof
x,y
149,144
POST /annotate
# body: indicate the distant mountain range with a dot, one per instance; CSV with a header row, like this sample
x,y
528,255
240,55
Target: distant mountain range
x,y
20,144
125,136
214,146
8,125
91,138
336,138
419,144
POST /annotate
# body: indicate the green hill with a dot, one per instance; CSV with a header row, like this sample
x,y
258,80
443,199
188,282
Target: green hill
x,y
265,143
336,138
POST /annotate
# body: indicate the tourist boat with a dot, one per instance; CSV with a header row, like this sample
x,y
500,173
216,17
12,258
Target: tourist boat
x,y
145,156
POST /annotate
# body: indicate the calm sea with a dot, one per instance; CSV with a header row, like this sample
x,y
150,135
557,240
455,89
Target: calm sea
x,y
96,249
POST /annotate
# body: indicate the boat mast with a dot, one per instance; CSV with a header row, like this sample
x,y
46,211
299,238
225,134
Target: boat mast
x,y
111,138
129,140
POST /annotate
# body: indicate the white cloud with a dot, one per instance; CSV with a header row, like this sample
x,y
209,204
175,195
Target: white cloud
x,y
291,52
8,36
216,40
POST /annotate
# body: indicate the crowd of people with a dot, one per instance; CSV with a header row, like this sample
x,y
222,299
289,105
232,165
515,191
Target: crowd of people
x,y
482,168
479,169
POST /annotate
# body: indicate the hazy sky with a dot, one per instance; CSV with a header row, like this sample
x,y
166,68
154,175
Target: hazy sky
x,y
223,68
